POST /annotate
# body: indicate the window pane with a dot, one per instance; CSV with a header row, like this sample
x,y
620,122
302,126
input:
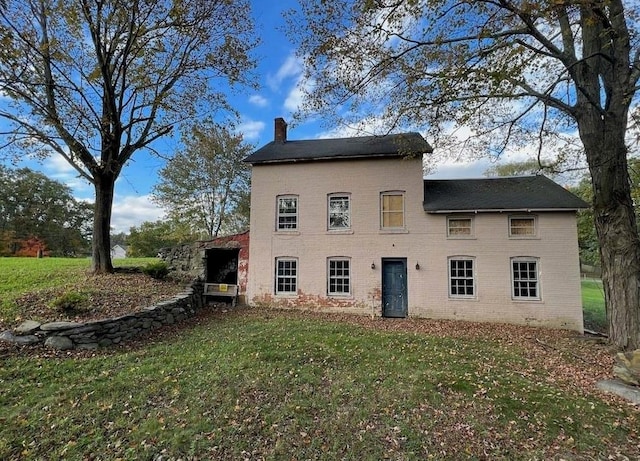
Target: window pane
x,y
459,226
525,279
287,213
393,220
522,226
392,203
339,279
461,280
286,275
339,214
392,210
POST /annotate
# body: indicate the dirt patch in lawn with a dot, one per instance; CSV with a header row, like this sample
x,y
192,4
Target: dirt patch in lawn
x,y
106,296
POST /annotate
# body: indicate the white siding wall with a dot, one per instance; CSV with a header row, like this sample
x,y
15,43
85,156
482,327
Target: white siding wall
x,y
424,242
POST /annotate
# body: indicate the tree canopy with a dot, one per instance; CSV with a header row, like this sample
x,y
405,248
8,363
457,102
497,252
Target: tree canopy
x,y
35,207
559,75
509,72
523,168
206,185
95,81
149,238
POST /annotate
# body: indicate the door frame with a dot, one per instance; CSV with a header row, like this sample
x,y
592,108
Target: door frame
x,y
405,306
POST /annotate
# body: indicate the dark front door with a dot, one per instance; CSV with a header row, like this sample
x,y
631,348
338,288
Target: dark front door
x,y
394,287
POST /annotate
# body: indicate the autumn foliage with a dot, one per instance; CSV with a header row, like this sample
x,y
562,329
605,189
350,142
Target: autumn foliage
x,y
31,246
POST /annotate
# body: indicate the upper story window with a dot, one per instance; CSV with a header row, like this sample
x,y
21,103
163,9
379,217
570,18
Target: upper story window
x,y
287,212
339,212
392,210
286,276
524,278
462,283
339,277
522,226
459,226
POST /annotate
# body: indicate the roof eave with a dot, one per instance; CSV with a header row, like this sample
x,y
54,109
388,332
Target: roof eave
x,y
328,158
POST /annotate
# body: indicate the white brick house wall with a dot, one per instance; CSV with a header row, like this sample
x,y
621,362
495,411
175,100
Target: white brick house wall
x,y
423,242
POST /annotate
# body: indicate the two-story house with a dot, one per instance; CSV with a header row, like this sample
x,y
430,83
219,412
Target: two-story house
x,y
350,225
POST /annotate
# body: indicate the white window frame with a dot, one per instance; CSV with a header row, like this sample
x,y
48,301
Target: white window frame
x,y
453,261
527,282
286,277
382,210
342,277
460,218
284,226
339,196
533,219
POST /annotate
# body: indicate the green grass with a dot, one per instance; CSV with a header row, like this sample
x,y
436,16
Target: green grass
x,y
22,275
595,317
271,387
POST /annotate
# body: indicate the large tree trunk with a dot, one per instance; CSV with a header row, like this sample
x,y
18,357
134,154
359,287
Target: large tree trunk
x,y
606,152
101,243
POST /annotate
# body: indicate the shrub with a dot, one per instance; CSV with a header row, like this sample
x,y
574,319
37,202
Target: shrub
x,y
70,302
157,270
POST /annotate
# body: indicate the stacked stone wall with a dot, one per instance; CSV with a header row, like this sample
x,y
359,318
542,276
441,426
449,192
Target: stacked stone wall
x,y
185,260
106,332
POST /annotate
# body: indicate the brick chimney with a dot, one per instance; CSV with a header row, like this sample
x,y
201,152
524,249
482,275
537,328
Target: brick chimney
x,y
280,130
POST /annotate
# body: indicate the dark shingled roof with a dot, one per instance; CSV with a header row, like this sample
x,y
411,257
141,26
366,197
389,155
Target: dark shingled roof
x,y
392,145
508,194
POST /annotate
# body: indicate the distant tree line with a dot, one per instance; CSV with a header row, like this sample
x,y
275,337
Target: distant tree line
x,y
149,238
40,215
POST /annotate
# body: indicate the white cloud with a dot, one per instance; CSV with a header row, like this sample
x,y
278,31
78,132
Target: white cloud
x,y
57,165
291,67
460,169
130,210
365,127
294,99
57,168
258,100
251,129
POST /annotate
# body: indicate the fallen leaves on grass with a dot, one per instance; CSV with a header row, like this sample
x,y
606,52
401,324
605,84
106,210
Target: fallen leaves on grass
x,y
549,352
110,295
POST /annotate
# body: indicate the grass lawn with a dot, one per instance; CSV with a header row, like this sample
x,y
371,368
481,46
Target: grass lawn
x,y
595,317
260,384
270,385
19,276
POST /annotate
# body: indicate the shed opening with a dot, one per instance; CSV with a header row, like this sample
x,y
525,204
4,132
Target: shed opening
x,y
221,276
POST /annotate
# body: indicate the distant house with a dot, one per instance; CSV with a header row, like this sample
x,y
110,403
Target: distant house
x,y
118,252
350,225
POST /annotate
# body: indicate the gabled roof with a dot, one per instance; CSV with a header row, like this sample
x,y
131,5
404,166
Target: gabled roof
x,y
392,145
521,193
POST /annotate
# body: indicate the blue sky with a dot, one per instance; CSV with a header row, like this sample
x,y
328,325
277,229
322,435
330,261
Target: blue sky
x,y
279,74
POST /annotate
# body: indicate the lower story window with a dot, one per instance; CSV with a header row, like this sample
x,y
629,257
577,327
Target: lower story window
x,y
461,278
339,277
286,276
526,284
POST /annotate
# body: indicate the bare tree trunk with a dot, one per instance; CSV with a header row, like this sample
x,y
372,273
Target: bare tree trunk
x,y
606,152
101,242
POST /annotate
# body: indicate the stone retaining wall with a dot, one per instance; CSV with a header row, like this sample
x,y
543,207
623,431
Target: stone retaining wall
x,y
105,332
